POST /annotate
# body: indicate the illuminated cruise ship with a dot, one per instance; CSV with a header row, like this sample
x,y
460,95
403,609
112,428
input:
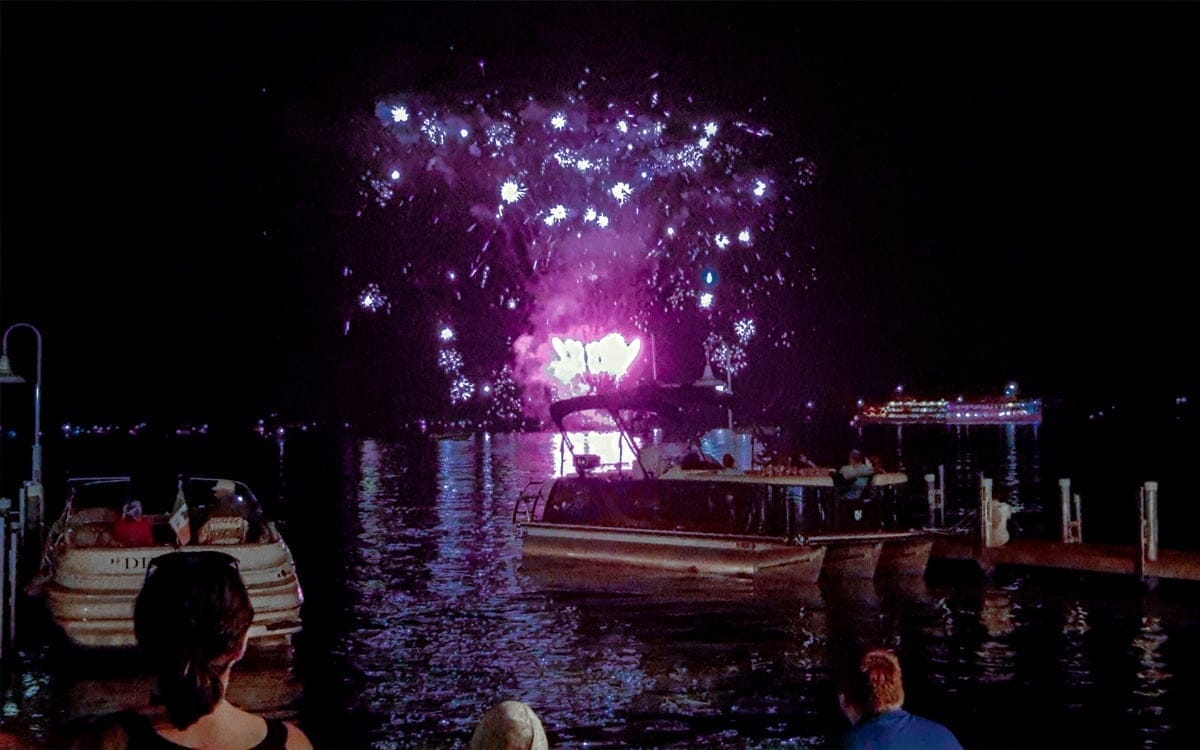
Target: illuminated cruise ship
x,y
1008,409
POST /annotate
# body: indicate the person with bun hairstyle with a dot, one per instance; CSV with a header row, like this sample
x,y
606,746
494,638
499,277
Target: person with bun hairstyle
x,y
872,698
191,619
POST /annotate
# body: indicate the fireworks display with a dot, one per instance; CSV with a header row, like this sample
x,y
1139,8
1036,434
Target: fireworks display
x,y
583,222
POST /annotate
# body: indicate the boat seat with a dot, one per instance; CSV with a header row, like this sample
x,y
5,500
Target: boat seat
x,y
91,534
223,530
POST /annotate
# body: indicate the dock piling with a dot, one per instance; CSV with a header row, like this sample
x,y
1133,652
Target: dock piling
x,y
985,511
10,522
937,515
1148,511
5,504
1072,520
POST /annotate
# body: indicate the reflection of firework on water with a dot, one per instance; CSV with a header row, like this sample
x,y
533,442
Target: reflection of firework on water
x,y
579,216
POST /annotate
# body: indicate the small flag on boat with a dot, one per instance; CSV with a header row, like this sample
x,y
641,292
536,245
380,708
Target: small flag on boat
x,y
180,521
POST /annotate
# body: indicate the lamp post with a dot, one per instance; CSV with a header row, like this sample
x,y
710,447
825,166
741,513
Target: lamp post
x,y
8,376
708,380
729,383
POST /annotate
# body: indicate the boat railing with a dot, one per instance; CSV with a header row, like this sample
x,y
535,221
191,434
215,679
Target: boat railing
x,y
525,509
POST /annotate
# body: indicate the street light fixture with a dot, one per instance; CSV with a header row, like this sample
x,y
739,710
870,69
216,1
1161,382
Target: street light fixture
x,y
708,380
8,376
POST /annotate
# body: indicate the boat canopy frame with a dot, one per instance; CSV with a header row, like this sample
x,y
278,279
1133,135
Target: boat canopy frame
x,y
651,397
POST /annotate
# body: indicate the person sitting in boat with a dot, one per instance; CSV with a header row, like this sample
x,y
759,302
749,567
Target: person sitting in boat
x,y
696,458
855,476
228,517
652,462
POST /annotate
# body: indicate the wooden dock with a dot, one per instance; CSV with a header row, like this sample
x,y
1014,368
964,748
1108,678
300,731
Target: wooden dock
x,y
992,547
1093,558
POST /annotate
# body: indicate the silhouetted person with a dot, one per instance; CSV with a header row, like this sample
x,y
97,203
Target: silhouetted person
x,y
192,618
696,458
872,698
857,473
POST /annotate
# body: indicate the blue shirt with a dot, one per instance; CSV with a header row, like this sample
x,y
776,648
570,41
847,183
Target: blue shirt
x,y
899,730
859,475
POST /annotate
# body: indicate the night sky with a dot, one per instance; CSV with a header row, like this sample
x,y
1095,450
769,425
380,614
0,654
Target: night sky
x,y
998,192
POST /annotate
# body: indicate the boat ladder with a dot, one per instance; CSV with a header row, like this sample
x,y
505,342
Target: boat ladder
x,y
527,501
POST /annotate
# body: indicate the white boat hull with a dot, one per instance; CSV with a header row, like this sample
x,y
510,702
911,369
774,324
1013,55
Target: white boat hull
x,y
681,552
92,591
867,555
905,557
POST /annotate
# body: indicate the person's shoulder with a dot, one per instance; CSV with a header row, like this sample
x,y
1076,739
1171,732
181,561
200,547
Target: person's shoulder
x,y
296,738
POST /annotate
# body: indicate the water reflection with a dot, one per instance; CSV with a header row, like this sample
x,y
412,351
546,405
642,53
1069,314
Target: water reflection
x,y
1009,483
996,654
1153,677
420,614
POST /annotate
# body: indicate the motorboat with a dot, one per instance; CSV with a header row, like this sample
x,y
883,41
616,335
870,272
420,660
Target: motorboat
x,y
96,554
656,515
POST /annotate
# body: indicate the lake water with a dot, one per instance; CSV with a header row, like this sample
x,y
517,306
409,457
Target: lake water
x,y
419,614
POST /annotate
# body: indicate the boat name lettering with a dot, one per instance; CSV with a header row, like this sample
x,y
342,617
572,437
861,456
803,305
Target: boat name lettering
x,y
131,562
746,545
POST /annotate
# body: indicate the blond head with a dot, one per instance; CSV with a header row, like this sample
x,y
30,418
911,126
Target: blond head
x,y
510,725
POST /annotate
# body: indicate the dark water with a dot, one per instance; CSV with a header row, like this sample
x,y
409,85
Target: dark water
x,y
419,614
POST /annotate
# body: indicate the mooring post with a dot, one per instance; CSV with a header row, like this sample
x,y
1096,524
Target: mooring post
x,y
1064,494
5,504
12,533
1150,500
931,499
1077,523
985,511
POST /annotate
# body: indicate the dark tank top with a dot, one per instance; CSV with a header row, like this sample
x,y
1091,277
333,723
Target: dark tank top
x,y
143,737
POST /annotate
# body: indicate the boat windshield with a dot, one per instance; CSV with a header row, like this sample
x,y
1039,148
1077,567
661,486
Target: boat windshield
x,y
209,499
102,493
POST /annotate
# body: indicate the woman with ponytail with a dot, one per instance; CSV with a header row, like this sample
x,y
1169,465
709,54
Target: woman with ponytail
x,y
872,698
191,619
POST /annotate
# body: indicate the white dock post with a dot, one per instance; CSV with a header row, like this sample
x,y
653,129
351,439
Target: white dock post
x,y
1150,509
1064,494
985,511
1077,524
